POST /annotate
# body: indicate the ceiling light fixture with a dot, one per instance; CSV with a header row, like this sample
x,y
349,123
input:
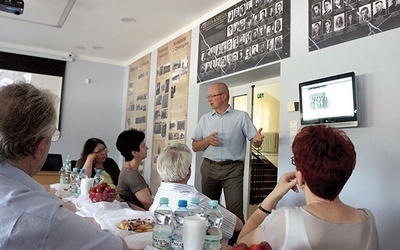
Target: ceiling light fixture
x,y
128,20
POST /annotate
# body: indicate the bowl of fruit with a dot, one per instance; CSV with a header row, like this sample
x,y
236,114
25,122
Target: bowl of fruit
x,y
102,192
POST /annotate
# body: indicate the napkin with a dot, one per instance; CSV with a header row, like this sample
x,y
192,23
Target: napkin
x,y
150,248
57,186
139,241
96,210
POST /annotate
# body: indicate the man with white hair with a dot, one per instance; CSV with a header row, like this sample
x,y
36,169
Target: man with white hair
x,y
30,217
174,168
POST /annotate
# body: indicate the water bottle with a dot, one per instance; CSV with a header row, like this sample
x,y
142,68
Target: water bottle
x,y
63,175
68,164
177,232
213,232
98,178
82,175
195,209
162,231
73,183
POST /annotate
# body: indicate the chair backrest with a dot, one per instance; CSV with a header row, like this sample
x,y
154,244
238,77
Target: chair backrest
x,y
53,162
73,163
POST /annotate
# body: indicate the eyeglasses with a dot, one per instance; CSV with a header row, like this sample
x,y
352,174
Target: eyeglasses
x,y
56,136
212,96
101,151
293,162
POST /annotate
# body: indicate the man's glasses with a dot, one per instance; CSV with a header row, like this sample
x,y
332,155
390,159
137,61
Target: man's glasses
x,y
56,136
293,162
212,96
101,151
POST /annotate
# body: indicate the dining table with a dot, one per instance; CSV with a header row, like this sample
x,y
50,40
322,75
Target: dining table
x,y
107,215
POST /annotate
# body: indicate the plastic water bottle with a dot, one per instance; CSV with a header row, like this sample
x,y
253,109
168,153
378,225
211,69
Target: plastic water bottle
x,y
98,178
213,231
177,232
82,175
68,163
162,231
74,179
63,175
195,209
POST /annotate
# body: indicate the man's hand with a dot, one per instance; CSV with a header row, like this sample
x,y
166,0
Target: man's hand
x,y
205,142
257,139
213,140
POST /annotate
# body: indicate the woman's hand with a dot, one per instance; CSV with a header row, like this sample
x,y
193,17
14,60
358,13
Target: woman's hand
x,y
91,158
285,183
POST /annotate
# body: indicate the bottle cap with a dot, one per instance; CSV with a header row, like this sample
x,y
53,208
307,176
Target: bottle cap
x,y
213,203
164,200
99,171
196,200
82,170
75,170
182,203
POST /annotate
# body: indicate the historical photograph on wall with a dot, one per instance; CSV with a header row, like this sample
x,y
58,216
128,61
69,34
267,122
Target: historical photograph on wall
x,y
171,98
138,94
249,34
336,21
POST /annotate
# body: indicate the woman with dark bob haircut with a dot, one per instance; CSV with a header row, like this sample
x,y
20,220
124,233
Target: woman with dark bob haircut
x,y
132,187
324,158
94,156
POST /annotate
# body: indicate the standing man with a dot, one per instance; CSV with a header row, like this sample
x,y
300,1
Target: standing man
x,y
221,135
30,217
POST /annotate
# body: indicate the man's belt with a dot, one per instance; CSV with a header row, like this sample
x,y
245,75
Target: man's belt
x,y
221,163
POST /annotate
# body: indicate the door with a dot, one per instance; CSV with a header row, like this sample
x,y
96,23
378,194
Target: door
x,y
240,99
263,108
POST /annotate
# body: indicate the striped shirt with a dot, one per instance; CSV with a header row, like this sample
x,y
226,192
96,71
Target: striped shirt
x,y
177,191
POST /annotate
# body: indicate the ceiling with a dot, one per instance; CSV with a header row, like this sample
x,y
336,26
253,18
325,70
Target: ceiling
x,y
92,29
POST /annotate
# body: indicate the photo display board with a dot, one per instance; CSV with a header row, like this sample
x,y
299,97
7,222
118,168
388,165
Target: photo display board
x,y
138,96
171,99
249,34
333,22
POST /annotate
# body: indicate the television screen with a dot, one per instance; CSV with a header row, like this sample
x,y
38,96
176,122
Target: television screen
x,y
330,100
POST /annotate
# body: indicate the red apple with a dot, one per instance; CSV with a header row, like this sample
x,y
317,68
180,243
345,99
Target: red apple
x,y
254,247
241,246
264,245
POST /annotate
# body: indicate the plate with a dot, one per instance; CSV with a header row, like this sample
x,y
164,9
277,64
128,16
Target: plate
x,y
111,220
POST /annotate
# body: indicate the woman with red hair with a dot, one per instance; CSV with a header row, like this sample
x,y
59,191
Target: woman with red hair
x,y
324,158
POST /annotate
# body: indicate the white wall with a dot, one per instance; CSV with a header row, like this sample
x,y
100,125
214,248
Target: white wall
x,y
90,110
374,183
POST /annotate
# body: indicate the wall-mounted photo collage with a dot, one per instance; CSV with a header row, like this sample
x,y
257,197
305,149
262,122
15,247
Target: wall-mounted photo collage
x,y
138,94
336,21
249,34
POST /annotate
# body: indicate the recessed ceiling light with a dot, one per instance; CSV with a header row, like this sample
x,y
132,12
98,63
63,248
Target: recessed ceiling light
x,y
98,47
78,47
128,20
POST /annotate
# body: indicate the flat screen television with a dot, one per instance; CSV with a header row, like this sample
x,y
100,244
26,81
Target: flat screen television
x,y
330,100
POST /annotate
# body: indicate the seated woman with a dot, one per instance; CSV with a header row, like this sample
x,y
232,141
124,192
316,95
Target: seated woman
x,y
132,187
324,158
94,156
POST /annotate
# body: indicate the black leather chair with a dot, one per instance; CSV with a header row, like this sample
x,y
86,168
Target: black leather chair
x,y
53,163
